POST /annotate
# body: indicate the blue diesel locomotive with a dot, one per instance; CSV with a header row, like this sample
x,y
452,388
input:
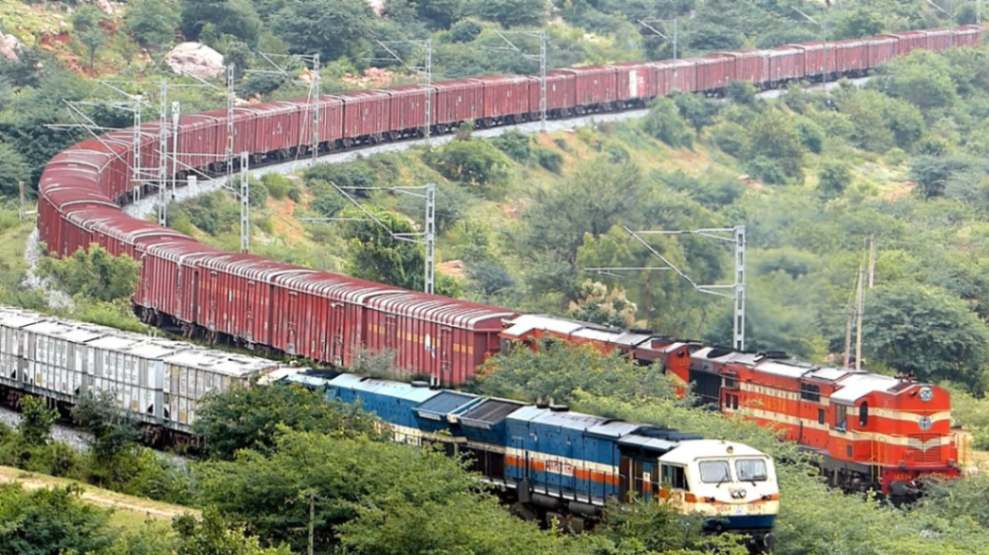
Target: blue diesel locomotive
x,y
554,461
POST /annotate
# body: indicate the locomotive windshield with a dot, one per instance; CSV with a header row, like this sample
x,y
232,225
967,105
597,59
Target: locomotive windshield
x,y
715,472
751,470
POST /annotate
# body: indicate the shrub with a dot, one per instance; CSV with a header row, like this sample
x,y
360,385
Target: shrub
x,y
354,174
833,178
469,162
278,185
767,170
549,159
516,145
811,136
666,124
730,138
327,201
258,196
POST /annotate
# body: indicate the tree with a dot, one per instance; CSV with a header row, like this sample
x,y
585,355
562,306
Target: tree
x,y
36,421
933,173
925,332
376,253
230,17
94,274
87,23
774,137
476,163
50,522
374,497
152,23
560,371
13,170
603,305
114,437
249,418
334,28
212,536
514,13
861,22
666,124
833,178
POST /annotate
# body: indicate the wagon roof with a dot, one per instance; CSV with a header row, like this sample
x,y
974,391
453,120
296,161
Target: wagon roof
x,y
488,413
439,309
561,419
335,286
181,248
11,317
856,386
74,332
220,362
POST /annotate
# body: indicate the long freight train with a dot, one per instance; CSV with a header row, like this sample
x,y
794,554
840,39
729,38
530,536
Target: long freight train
x,y
331,318
549,459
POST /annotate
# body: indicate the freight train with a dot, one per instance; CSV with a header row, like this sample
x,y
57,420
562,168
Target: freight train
x,y
332,318
552,461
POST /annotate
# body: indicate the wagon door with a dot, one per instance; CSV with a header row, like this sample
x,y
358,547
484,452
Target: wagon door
x,y
337,316
624,475
211,308
291,326
252,289
446,353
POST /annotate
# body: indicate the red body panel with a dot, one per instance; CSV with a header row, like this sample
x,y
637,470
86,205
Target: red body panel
x,y
785,63
714,72
881,50
969,35
277,127
909,41
365,114
594,86
561,92
636,81
504,96
940,39
408,108
458,101
750,65
675,76
851,55
819,58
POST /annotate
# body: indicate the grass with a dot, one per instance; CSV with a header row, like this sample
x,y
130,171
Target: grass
x,y
129,512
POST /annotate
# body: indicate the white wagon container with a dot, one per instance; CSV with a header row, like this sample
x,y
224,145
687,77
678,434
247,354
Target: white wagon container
x,y
13,344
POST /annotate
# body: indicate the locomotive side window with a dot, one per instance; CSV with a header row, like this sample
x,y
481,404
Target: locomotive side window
x,y
674,477
810,392
840,417
820,416
863,414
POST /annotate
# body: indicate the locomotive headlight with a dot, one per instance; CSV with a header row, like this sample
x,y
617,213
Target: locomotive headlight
x,y
926,394
925,423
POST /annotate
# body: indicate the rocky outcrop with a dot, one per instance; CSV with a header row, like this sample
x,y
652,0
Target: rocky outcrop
x,y
10,47
195,59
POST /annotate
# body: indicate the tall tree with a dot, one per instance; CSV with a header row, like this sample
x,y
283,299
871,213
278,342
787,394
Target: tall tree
x,y
87,23
153,22
334,28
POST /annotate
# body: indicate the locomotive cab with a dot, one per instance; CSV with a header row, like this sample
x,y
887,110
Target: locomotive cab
x,y
731,485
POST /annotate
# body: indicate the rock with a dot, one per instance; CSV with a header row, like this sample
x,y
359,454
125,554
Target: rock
x,y
196,59
105,6
10,47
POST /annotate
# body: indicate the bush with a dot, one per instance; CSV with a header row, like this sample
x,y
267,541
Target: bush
x,y
327,201
699,111
730,138
465,30
516,145
469,162
811,136
666,124
93,274
741,92
278,185
354,174
833,178
549,159
258,195
767,170
932,174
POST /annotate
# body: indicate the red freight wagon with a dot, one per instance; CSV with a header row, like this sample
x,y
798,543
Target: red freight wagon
x,y
851,55
330,120
675,75
443,338
636,81
321,315
53,204
594,86
457,101
408,109
170,278
277,127
819,58
505,96
785,63
714,72
940,39
365,115
969,35
198,140
881,50
909,41
561,93
244,126
750,65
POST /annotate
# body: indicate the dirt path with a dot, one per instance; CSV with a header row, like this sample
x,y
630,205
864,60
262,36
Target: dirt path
x,y
145,508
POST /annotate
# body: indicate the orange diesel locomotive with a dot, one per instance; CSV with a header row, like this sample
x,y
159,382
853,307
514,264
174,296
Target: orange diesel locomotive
x,y
870,431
